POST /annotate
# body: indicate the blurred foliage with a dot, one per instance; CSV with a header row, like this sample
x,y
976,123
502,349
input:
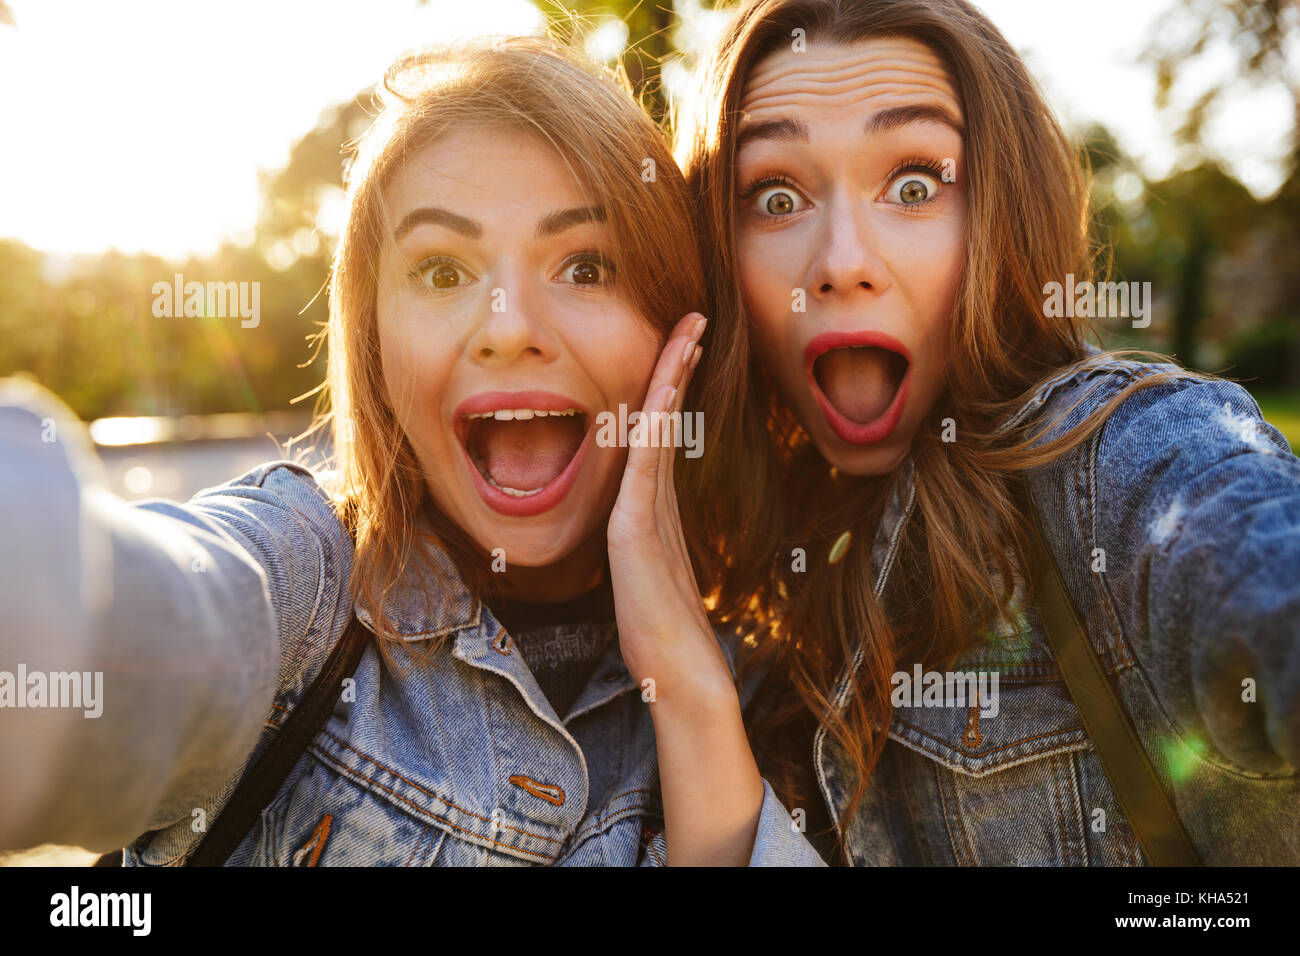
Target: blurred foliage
x,y
1224,266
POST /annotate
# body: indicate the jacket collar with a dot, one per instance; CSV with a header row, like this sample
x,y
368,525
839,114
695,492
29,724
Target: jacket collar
x,y
429,598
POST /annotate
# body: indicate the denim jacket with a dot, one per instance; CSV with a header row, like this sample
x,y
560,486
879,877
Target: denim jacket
x,y
210,619
1176,528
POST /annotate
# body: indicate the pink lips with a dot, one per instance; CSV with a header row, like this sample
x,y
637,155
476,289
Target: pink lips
x,y
554,491
857,433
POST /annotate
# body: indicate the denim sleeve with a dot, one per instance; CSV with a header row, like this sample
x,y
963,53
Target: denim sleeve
x,y
1201,498
182,617
778,841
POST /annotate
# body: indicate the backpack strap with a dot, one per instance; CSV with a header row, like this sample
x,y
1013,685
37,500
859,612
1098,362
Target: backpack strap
x,y
1127,765
260,784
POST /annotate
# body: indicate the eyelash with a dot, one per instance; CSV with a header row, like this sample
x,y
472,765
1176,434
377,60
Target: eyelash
x,y
916,164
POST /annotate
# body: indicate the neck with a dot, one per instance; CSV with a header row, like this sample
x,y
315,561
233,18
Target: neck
x,y
571,577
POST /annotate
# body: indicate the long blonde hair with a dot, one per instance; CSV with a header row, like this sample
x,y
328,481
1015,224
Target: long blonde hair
x,y
1028,225
590,119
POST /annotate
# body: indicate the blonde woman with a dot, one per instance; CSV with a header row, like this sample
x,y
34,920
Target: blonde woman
x,y
535,680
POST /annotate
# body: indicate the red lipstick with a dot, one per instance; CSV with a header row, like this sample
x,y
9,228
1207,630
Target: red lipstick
x,y
858,433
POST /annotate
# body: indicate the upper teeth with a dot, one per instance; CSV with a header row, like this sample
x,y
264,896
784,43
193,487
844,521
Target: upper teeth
x,y
523,414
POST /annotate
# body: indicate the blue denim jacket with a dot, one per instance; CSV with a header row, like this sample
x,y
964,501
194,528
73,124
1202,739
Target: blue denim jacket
x,y
210,619
1177,530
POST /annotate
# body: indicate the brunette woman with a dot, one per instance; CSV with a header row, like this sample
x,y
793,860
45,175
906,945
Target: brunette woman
x,y
889,205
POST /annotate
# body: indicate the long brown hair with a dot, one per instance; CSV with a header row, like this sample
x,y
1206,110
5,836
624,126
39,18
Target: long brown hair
x,y
955,571
615,152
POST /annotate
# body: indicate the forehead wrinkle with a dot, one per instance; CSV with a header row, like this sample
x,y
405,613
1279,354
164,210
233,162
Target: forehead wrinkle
x,y
794,76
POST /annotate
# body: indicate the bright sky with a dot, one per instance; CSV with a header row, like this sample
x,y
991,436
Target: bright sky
x,y
143,124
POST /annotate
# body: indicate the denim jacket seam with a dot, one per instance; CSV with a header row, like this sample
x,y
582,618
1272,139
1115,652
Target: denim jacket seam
x,y
1087,517
993,750
947,787
389,770
600,823
425,813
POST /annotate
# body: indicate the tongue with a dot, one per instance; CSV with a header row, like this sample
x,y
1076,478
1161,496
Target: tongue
x,y
526,455
860,382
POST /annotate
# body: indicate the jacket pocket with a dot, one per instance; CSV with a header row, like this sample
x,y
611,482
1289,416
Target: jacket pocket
x,y
1006,788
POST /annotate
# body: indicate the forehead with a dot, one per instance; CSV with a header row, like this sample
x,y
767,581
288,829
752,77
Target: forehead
x,y
827,78
484,170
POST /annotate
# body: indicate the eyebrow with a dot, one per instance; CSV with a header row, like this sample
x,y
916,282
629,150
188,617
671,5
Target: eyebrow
x,y
557,222
550,225
882,121
888,119
437,216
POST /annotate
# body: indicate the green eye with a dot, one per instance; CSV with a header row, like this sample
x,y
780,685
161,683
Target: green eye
x,y
779,204
778,201
914,191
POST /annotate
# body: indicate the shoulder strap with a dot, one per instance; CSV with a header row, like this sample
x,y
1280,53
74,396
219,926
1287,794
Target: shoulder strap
x,y
1127,766
260,783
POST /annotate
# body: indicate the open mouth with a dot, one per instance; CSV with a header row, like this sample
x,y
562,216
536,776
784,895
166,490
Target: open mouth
x,y
523,448
860,381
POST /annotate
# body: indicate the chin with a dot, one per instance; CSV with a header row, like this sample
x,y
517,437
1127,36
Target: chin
x,y
864,462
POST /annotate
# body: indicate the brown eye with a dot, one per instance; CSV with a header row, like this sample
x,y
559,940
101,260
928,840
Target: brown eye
x,y
588,269
445,277
914,191
442,273
586,273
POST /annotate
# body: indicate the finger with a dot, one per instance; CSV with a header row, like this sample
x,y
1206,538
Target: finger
x,y
668,369
640,486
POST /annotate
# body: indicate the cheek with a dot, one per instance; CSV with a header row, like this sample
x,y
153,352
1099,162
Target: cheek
x,y
620,356
415,361
768,288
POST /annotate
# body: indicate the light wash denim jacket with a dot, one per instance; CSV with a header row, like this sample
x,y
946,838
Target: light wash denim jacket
x,y
210,619
1195,501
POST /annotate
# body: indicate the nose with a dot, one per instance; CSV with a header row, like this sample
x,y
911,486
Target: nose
x,y
847,257
512,326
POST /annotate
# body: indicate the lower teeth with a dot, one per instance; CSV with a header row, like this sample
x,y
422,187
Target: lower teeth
x,y
513,492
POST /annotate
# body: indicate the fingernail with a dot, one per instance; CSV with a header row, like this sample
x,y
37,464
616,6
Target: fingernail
x,y
686,352
695,359
699,327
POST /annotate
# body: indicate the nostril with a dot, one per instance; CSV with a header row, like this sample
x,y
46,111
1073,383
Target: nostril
x,y
826,287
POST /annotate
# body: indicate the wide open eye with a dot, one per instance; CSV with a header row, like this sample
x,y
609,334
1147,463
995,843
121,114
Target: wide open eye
x,y
778,201
915,183
442,272
587,269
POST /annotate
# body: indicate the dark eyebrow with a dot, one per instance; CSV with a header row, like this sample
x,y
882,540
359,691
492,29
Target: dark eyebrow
x,y
557,222
895,116
437,216
782,129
